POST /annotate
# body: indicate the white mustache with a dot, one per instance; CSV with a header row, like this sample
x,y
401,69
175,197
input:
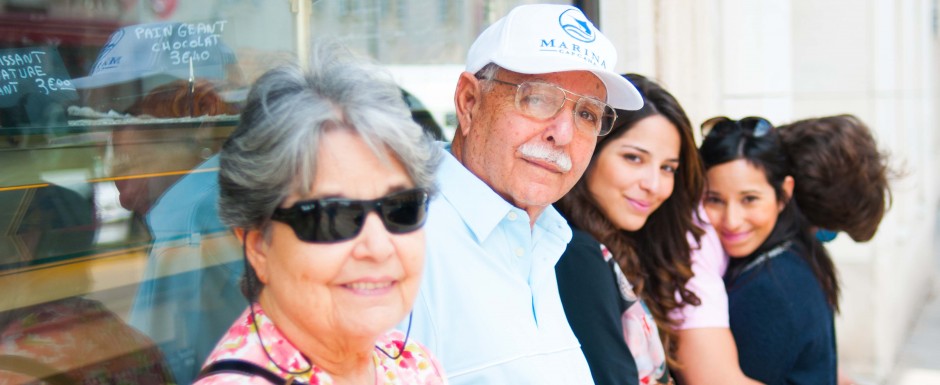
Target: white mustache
x,y
548,154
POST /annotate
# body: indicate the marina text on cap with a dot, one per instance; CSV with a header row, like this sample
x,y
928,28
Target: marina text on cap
x,y
545,38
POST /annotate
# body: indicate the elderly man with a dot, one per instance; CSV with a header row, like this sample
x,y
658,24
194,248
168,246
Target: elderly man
x,y
537,92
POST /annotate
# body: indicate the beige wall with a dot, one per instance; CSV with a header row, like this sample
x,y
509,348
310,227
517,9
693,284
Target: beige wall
x,y
791,59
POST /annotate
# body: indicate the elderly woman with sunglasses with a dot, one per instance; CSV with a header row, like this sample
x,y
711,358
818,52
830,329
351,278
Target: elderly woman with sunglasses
x,y
325,182
781,282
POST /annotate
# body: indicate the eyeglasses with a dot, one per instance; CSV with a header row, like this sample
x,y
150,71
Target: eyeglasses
x,y
542,100
721,126
336,219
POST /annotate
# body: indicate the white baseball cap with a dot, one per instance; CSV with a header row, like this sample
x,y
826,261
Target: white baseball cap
x,y
544,38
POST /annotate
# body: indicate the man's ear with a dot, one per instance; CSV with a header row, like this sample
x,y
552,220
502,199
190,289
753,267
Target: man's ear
x,y
787,186
256,251
466,98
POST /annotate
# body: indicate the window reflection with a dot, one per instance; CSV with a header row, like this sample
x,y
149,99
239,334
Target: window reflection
x,y
165,176
153,112
76,341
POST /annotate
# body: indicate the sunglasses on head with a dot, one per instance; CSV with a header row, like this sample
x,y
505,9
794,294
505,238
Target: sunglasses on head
x,y
338,219
720,126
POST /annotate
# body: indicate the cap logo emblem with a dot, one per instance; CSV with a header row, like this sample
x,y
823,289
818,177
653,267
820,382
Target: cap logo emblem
x,y
112,42
572,23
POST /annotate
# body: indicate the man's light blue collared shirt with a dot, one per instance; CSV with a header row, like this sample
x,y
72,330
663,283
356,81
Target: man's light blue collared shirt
x,y
489,307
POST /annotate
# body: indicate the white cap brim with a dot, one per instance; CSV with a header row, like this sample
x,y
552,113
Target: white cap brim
x,y
548,38
621,94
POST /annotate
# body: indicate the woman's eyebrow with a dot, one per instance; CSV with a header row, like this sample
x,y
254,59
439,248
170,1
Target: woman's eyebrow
x,y
635,147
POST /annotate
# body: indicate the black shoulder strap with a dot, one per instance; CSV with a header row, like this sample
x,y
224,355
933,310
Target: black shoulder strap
x,y
244,367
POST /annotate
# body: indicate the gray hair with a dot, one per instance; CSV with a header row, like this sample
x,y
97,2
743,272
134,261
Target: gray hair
x,y
273,151
488,72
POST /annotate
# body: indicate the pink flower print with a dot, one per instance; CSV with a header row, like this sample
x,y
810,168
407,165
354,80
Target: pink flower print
x,y
646,326
243,327
398,344
406,363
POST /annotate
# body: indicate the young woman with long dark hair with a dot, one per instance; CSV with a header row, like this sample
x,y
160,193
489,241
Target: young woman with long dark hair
x,y
632,216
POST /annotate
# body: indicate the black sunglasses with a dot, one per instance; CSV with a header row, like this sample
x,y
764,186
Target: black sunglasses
x,y
722,125
337,219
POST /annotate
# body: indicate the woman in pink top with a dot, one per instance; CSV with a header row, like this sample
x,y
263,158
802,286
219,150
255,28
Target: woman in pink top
x,y
325,182
706,350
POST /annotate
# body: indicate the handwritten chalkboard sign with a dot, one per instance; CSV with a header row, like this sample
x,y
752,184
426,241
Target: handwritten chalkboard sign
x,y
182,50
36,70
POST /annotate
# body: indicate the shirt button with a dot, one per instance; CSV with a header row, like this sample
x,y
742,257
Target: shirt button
x,y
512,216
519,252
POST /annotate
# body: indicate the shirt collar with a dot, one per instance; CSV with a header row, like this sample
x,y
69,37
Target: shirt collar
x,y
554,224
476,203
481,208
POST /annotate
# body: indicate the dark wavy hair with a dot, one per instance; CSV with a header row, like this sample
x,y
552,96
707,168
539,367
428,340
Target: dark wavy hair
x,y
838,148
654,258
766,152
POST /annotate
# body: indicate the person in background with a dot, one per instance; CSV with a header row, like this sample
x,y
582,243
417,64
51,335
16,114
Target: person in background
x,y
530,107
781,282
326,182
167,177
839,148
631,214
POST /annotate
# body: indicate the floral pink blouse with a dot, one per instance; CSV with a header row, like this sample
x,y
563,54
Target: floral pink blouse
x,y
415,366
640,331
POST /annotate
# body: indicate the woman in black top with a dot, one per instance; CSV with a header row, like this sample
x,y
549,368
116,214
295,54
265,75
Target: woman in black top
x,y
782,284
631,213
